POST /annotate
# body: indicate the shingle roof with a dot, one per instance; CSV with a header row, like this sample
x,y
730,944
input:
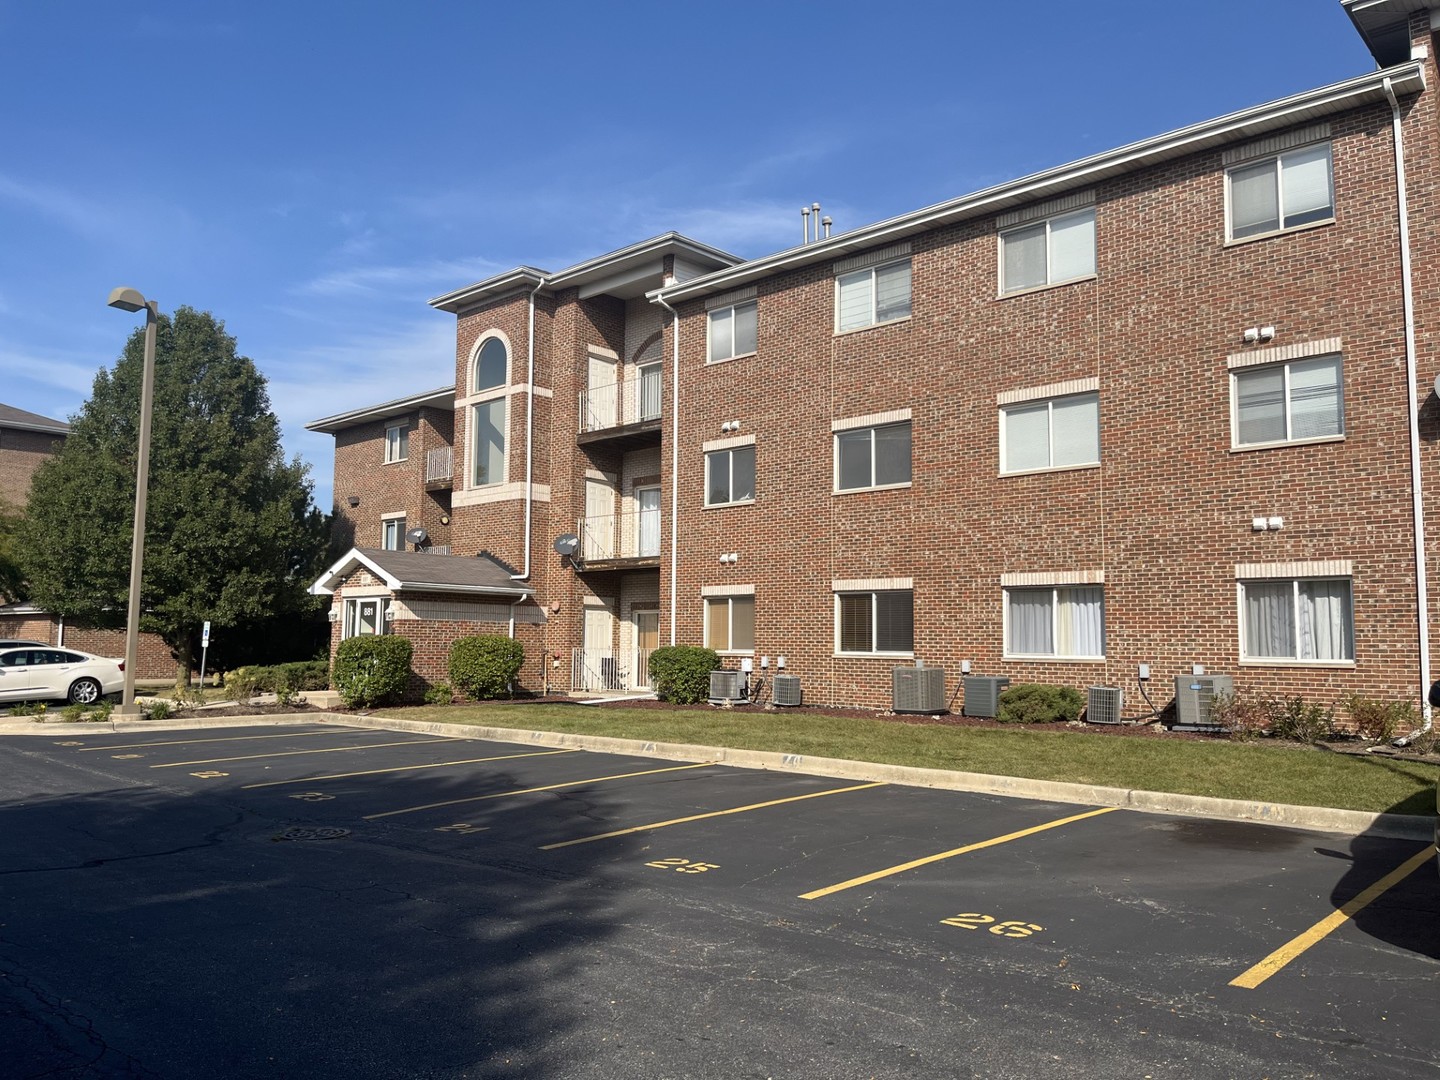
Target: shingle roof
x,y
414,571
12,417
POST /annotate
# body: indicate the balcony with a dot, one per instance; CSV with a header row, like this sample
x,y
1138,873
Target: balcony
x,y
439,468
594,671
619,541
627,411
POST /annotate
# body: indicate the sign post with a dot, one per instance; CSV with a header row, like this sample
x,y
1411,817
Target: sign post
x,y
204,648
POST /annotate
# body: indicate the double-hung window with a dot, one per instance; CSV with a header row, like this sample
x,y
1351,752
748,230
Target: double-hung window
x,y
1063,621
1288,402
881,622
732,331
876,294
397,442
1060,248
392,533
1052,433
730,475
730,623
1281,192
872,456
1297,619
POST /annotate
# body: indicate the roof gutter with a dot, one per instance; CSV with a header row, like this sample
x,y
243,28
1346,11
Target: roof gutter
x,y
1422,599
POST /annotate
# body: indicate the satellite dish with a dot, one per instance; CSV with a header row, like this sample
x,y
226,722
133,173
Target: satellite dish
x,y
566,543
417,536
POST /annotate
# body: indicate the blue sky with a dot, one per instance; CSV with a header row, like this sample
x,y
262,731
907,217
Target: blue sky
x,y
313,172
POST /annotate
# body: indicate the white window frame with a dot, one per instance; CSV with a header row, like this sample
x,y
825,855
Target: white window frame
x,y
734,311
1049,224
729,602
485,339
504,403
1278,161
1295,583
729,452
1285,366
873,273
350,625
874,595
388,522
872,486
397,442
1049,403
1056,634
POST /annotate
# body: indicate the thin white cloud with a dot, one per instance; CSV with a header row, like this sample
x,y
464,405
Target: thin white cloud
x,y
82,216
431,277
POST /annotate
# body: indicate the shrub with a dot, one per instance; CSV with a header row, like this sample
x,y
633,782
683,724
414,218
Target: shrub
x,y
439,694
372,669
287,692
1243,717
1378,720
1303,723
242,684
159,709
485,665
29,708
101,712
73,714
681,673
1039,703
305,674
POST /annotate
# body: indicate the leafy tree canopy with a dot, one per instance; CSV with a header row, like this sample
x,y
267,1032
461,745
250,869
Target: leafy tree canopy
x,y
230,534
12,577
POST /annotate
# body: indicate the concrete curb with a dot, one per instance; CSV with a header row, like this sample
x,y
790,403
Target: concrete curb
x,y
1318,818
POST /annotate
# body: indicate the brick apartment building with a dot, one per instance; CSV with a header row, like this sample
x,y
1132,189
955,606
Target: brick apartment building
x,y
26,439
1170,405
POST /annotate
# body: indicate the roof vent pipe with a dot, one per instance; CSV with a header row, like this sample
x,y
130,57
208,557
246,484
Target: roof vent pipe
x,y
815,209
826,222
804,225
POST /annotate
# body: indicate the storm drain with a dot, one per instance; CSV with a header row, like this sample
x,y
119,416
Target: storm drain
x,y
311,832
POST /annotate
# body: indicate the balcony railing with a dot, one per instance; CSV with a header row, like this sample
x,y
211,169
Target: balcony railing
x,y
439,464
619,404
434,549
600,670
635,535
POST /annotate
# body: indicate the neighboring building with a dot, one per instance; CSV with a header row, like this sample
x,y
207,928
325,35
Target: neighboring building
x,y
1168,405
26,440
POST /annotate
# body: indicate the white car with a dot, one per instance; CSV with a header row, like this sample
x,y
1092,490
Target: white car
x,y
47,673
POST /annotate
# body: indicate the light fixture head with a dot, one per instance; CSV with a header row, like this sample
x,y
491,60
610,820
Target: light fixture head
x,y
353,501
127,299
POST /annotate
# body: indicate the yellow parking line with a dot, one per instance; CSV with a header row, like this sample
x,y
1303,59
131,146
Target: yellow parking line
x,y
528,791
1332,922
296,753
403,768
928,859
227,738
702,817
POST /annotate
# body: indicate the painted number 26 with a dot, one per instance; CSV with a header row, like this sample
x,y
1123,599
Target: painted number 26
x,y
1011,928
683,866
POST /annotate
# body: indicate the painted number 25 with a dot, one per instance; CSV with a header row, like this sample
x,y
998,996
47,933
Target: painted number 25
x,y
1011,928
683,866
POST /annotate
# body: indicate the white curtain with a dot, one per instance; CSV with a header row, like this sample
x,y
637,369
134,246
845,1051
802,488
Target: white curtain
x,y
1024,258
1325,620
1270,619
1081,621
1032,622
1072,246
1305,184
1027,437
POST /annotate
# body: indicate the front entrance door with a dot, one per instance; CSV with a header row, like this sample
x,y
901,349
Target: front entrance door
x,y
601,399
647,637
598,649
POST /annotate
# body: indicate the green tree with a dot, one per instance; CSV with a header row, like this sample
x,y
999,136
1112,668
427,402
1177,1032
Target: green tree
x,y
230,534
12,577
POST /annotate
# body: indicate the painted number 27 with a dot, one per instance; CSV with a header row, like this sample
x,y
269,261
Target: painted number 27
x,y
683,866
973,921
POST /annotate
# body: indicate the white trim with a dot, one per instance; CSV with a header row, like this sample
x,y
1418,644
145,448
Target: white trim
x,y
726,590
1041,578
726,444
1303,568
1067,388
602,352
504,339
894,416
731,299
492,493
1281,353
879,584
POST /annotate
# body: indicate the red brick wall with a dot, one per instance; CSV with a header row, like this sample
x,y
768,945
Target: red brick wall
x,y
21,453
155,659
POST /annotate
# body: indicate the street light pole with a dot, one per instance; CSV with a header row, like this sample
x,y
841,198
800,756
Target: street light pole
x,y
130,300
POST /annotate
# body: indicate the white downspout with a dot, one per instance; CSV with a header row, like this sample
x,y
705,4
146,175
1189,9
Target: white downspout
x,y
674,455
1422,598
513,605
529,449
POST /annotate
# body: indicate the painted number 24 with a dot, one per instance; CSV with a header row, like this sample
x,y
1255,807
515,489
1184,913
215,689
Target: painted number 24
x,y
683,866
973,921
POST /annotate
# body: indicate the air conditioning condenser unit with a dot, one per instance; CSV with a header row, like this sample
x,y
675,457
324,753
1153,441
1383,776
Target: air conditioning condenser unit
x,y
1104,704
918,689
726,687
786,690
982,694
1194,697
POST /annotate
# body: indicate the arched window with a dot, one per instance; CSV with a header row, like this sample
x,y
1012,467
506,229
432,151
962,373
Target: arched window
x,y
492,365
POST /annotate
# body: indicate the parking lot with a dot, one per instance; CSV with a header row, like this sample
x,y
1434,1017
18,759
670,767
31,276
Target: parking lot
x,y
324,901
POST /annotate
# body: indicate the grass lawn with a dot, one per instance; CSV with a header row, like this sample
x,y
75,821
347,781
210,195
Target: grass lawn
x,y
1268,772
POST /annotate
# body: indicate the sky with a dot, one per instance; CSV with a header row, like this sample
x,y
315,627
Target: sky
x,y
313,172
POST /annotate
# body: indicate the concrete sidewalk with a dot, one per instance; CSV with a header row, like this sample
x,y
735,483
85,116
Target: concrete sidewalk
x,y
1321,819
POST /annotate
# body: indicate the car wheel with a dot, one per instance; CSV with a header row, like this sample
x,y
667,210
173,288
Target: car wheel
x,y
84,692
